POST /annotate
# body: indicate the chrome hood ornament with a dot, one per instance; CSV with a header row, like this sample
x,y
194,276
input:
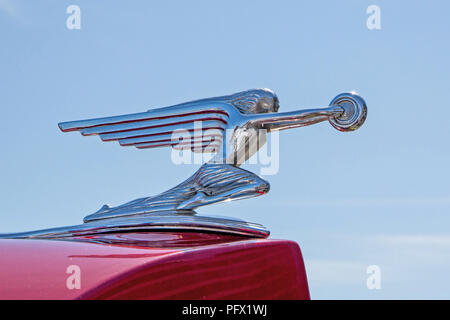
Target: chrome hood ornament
x,y
232,127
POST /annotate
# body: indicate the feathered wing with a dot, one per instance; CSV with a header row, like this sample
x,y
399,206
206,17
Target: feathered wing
x,y
203,122
180,127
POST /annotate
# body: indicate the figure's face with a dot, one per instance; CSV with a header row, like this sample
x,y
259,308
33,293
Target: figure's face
x,y
268,104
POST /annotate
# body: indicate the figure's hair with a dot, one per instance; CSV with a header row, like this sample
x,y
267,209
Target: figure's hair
x,y
250,101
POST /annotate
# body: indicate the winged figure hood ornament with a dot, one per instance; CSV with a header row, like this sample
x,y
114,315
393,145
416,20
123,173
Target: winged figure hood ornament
x,y
233,127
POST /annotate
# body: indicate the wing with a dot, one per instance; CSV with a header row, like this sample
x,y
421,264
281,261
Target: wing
x,y
202,121
199,128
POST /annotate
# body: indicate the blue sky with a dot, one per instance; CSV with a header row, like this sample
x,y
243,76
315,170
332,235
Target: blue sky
x,y
377,196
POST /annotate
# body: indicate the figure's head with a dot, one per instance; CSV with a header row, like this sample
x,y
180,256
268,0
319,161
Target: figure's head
x,y
268,102
255,101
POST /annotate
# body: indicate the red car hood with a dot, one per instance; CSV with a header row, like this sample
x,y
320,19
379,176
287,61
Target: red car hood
x,y
153,265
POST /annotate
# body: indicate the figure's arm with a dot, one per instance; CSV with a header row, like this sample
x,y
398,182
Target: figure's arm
x,y
346,112
300,118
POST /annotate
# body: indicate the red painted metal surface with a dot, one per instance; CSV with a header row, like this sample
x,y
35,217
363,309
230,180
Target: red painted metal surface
x,y
153,265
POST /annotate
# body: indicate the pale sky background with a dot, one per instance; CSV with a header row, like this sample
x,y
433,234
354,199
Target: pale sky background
x,y
377,196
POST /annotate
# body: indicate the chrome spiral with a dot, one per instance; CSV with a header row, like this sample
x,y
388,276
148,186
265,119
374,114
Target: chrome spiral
x,y
355,112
